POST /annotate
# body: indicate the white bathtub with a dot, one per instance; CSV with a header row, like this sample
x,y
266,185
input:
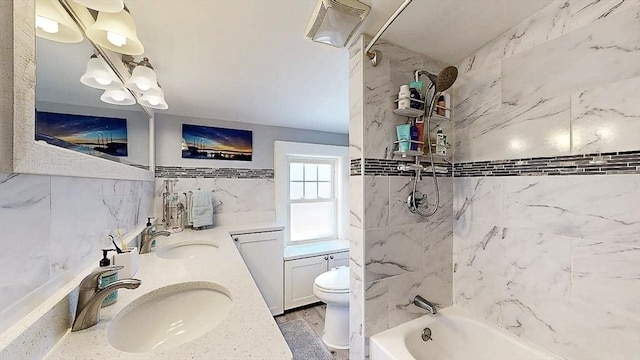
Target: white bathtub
x,y
455,336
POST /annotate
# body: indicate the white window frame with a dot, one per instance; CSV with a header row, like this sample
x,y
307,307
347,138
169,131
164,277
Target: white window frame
x,y
284,152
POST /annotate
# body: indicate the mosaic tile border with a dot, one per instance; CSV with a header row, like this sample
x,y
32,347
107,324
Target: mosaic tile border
x,y
623,162
204,172
388,167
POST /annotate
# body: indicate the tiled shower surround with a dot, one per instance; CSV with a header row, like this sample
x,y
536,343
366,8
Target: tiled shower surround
x,y
539,233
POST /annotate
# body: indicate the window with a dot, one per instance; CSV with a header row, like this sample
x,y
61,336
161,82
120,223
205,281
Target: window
x,y
312,191
312,200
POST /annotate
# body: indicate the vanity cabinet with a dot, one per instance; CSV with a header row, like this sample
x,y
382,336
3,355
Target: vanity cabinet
x,y
299,275
262,253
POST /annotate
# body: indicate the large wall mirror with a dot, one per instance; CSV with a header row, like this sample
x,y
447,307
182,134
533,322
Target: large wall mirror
x,y
84,150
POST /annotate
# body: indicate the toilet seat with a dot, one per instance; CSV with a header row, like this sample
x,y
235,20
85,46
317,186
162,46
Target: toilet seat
x,y
334,281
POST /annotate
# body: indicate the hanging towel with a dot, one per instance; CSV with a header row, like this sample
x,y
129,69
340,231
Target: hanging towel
x,y
201,208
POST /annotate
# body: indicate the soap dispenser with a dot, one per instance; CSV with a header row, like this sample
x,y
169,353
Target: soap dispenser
x,y
107,279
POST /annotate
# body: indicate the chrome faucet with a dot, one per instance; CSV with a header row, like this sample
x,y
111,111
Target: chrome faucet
x,y
91,296
148,234
421,302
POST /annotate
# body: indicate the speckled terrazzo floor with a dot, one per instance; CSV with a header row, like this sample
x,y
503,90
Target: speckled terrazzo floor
x,y
314,316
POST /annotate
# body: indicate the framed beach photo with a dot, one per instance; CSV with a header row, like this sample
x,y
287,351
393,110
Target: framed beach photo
x,y
214,143
94,135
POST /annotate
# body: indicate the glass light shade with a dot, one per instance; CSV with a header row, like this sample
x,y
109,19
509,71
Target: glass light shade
x,y
116,26
154,100
99,76
53,23
142,80
118,96
109,6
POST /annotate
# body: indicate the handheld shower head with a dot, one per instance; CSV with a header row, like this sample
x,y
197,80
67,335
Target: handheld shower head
x,y
445,78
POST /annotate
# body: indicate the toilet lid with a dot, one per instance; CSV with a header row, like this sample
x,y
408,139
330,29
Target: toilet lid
x,y
336,279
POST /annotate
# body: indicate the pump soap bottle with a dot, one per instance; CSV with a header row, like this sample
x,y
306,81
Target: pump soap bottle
x,y
107,279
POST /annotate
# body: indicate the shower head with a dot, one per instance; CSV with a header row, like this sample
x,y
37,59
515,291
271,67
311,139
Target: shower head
x,y
445,78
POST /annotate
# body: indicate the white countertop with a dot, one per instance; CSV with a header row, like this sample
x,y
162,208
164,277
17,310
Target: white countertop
x,y
248,332
315,248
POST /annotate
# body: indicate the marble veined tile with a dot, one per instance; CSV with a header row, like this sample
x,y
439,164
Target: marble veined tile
x,y
376,201
586,12
356,253
607,275
546,24
356,201
603,208
400,187
392,251
356,319
477,92
477,200
380,132
540,262
25,210
571,329
528,130
356,101
404,288
591,56
376,307
606,118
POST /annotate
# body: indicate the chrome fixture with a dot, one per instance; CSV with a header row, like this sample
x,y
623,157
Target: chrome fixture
x,y
91,296
173,211
333,22
148,234
423,303
426,334
375,56
443,81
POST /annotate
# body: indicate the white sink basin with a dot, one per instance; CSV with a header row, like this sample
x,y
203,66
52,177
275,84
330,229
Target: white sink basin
x,y
169,316
188,250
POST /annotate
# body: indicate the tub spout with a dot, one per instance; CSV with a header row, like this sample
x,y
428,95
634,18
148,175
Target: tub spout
x,y
421,302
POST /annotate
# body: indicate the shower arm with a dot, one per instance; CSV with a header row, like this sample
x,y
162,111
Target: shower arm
x,y
376,55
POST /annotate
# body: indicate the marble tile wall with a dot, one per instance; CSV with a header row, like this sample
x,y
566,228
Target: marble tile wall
x,y
235,201
53,227
553,260
564,81
395,254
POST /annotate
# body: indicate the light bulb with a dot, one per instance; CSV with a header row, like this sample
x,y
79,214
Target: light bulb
x,y
47,25
116,39
143,86
103,81
154,101
119,96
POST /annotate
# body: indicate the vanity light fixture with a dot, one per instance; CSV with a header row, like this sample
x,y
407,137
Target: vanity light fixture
x,y
98,75
118,96
109,6
143,77
116,32
154,99
53,23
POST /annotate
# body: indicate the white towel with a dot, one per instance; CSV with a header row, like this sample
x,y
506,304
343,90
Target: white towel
x,y
201,208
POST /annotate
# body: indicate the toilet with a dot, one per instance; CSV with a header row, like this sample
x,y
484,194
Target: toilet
x,y
332,288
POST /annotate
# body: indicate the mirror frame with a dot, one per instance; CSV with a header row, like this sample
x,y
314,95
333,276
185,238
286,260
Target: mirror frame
x,y
34,157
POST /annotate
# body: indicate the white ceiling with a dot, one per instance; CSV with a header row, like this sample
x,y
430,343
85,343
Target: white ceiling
x,y
248,60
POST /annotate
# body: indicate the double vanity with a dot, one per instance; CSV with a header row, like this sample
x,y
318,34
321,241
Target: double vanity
x,y
197,300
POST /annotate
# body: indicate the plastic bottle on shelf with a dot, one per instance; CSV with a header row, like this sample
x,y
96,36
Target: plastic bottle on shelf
x,y
441,142
441,106
415,95
420,128
414,135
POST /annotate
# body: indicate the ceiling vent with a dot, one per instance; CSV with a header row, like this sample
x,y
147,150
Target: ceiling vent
x,y
334,22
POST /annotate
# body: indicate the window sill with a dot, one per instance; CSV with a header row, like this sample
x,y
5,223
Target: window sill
x,y
294,252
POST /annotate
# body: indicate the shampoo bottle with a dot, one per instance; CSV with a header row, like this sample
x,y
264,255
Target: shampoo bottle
x,y
107,279
441,142
414,135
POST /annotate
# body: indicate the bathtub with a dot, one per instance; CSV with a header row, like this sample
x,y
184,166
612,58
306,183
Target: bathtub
x,y
455,336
